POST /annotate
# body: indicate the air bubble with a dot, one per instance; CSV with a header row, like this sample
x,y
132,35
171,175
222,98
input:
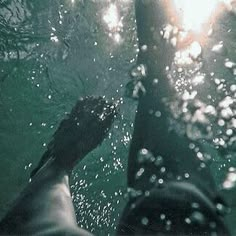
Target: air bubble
x,y
230,181
139,173
188,221
195,50
158,161
219,48
134,193
233,88
144,48
168,225
163,170
221,209
198,218
144,221
162,216
155,81
186,175
195,205
191,146
212,225
231,66
229,132
221,122
158,114
145,156
153,179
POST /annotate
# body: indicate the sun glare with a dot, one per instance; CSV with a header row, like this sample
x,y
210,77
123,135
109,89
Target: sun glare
x,y
194,14
111,17
113,22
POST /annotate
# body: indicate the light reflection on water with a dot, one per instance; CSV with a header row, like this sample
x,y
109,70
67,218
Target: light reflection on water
x,y
193,15
114,20
188,73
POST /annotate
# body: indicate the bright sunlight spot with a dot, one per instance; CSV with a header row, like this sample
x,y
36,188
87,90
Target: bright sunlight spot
x,y
194,14
111,17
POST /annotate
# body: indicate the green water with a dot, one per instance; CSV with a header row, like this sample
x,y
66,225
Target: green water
x,y
51,53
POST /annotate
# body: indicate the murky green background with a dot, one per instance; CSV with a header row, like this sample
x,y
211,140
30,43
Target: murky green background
x,y
51,53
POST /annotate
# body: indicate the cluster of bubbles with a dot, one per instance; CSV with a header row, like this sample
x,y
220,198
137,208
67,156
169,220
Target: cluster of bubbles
x,y
113,18
164,220
214,119
205,103
196,218
135,88
204,121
